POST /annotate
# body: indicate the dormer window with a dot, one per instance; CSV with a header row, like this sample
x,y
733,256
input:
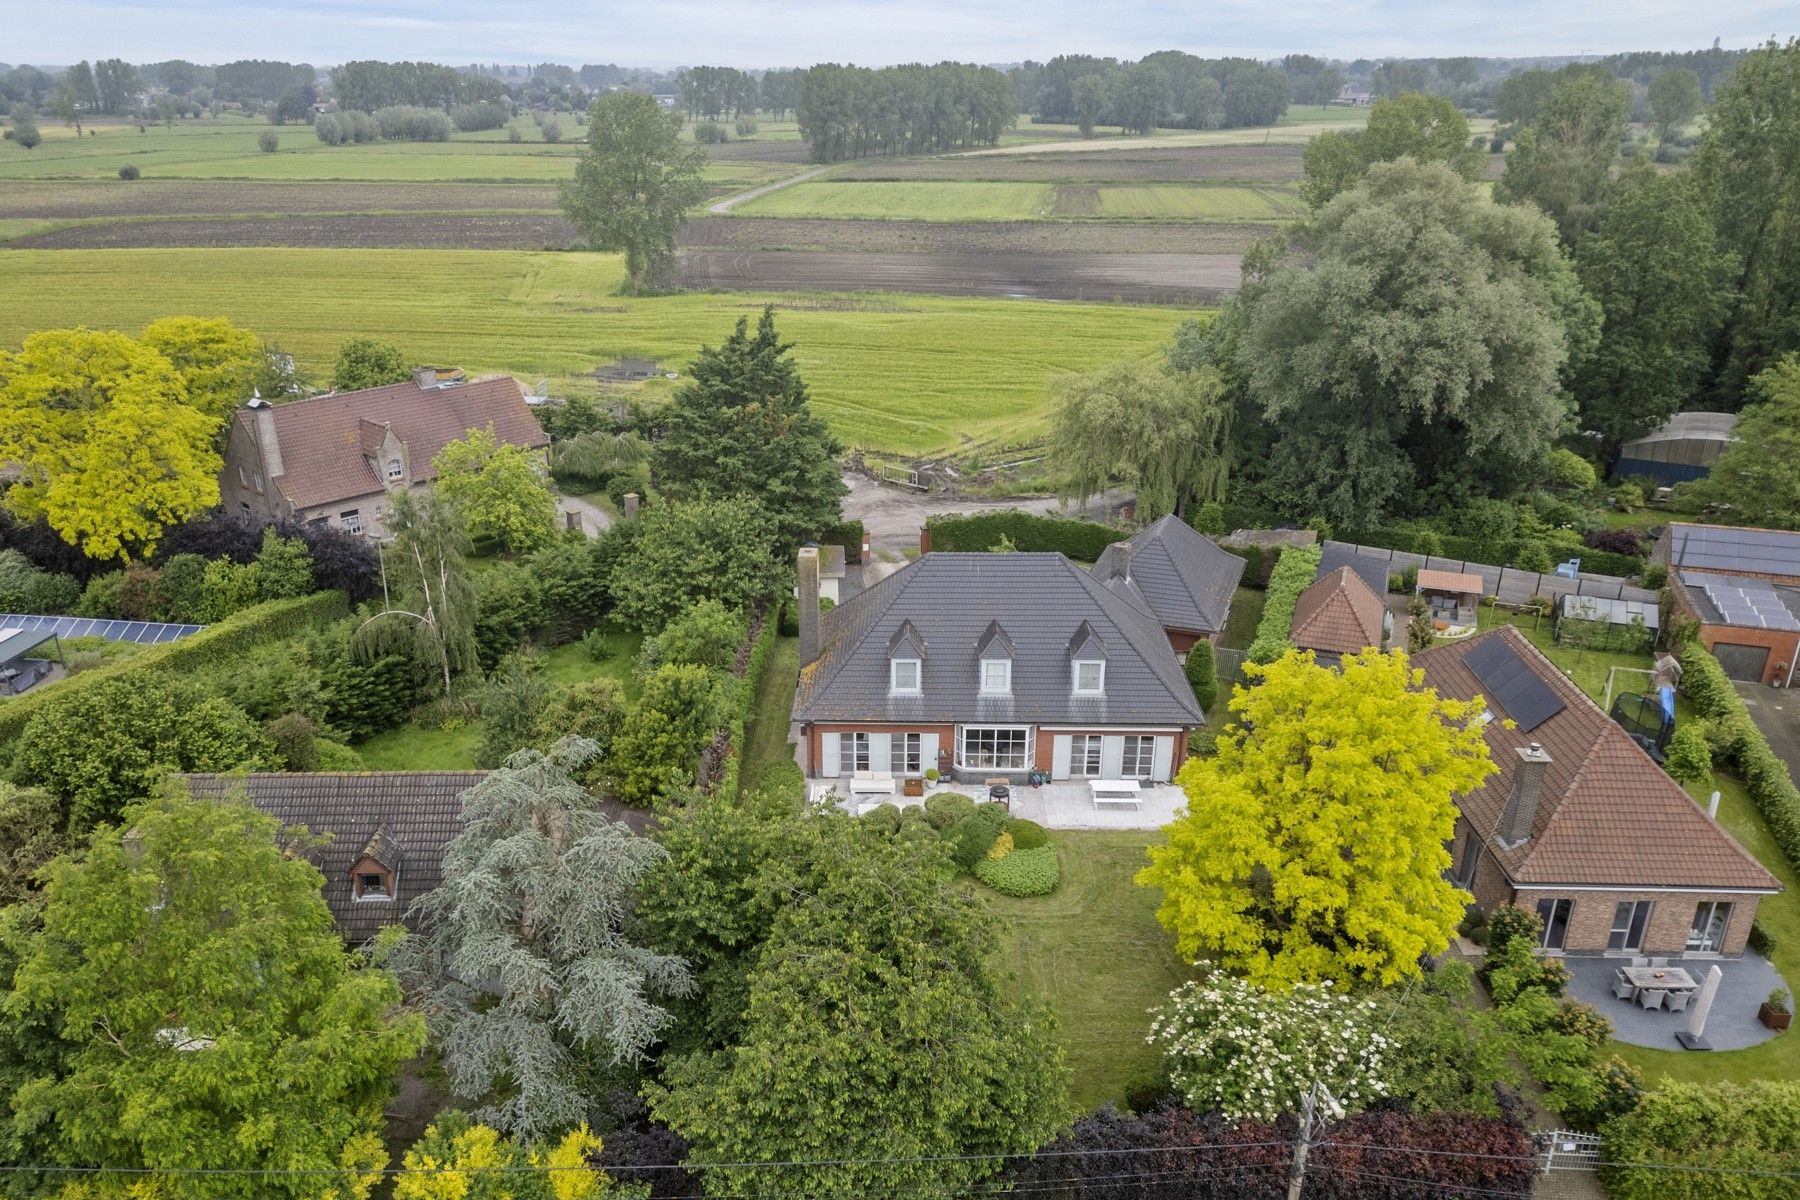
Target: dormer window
x,y
372,885
906,661
1087,662
903,677
996,676
372,877
1090,677
395,468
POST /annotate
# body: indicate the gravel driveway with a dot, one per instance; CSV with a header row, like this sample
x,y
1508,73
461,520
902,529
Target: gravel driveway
x,y
893,515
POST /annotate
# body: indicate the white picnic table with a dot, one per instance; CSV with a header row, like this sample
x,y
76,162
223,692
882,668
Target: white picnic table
x,y
1116,791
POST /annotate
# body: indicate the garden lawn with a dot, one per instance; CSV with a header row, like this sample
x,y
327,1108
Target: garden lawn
x,y
1778,1058
766,733
1588,668
1093,952
1246,614
906,374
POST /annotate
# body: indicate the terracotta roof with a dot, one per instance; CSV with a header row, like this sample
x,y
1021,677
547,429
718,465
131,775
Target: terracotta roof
x,y
1337,614
1609,815
323,440
1452,581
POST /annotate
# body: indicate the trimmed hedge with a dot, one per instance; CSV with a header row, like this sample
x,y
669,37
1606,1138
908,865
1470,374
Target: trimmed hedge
x,y
1291,576
1747,1136
227,640
849,535
730,779
1026,835
1022,872
1082,541
1742,747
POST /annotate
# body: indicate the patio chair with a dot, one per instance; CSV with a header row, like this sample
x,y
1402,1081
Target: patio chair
x,y
1659,962
1640,961
1623,988
1678,1001
1651,998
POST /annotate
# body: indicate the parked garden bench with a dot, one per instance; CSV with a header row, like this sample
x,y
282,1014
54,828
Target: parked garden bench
x,y
1116,791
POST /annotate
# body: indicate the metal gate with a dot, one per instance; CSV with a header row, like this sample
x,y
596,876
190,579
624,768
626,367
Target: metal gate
x,y
1742,662
1561,1150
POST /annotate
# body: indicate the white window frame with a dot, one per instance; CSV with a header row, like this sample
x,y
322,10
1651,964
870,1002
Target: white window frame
x,y
853,753
1139,751
918,676
395,469
1084,756
351,520
243,476
1099,688
1005,667
257,476
906,754
974,762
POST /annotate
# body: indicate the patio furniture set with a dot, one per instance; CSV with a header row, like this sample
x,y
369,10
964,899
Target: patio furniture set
x,y
1651,983
871,789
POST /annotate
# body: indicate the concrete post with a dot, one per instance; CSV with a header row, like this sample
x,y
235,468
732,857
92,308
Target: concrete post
x,y
632,499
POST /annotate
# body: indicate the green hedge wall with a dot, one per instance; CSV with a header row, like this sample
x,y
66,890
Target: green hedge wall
x,y
731,777
1291,576
226,640
1082,541
1742,748
849,535
1743,1140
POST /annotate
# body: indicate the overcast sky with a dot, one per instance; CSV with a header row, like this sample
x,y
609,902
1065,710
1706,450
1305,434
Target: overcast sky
x,y
741,33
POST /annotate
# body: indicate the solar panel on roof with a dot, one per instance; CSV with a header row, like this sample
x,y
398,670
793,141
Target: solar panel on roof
x,y
1513,685
141,632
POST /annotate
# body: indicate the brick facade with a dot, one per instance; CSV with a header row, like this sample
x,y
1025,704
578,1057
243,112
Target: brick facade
x,y
1782,645
1043,744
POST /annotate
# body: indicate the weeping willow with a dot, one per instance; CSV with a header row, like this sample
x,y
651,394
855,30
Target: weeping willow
x,y
428,603
1165,433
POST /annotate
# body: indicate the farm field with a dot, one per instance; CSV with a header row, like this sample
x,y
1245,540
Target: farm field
x,y
907,374
1147,162
1040,238
980,200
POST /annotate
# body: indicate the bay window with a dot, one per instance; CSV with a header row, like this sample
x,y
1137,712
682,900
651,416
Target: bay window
x,y
995,748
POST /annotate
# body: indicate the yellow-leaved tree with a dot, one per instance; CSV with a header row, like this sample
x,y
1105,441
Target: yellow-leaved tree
x,y
217,361
109,451
1313,847
460,1160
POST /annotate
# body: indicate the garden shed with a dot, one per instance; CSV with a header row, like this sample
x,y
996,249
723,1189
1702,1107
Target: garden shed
x,y
1596,623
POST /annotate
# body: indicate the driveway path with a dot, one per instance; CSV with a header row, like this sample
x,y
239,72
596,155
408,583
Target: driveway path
x,y
594,519
1777,714
721,207
892,515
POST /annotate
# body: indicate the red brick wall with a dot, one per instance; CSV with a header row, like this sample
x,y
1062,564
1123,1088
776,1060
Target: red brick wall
x,y
1782,645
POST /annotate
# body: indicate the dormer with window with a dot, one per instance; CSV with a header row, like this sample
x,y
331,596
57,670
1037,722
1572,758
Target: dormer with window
x,y
384,451
1087,662
994,653
906,661
375,875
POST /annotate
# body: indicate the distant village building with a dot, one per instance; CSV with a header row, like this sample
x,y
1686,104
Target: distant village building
x,y
1351,96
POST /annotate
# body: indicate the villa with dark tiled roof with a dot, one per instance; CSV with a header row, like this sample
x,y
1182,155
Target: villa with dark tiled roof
x,y
1179,575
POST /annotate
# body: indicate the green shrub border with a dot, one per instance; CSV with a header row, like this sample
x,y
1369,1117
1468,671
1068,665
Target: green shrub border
x,y
1746,752
228,639
1082,541
1023,873
730,778
1292,575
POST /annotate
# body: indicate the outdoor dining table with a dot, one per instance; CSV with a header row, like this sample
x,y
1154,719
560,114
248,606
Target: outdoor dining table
x,y
1660,979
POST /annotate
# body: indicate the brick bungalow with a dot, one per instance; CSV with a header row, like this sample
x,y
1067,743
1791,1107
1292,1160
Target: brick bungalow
x,y
333,459
1580,825
1179,575
988,665
1752,626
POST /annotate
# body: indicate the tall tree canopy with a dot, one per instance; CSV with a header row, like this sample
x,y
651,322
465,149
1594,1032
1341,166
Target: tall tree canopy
x,y
219,363
1655,266
1563,161
109,449
1165,431
1313,847
1674,99
677,554
1757,476
1423,128
499,489
364,362
874,1028
428,604
742,426
521,960
634,184
1410,338
1747,163
190,1006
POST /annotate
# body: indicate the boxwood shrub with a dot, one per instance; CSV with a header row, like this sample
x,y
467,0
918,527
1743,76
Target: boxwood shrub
x,y
1026,835
945,809
1021,873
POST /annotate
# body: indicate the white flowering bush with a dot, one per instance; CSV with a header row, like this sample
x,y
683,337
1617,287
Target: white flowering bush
x,y
1251,1054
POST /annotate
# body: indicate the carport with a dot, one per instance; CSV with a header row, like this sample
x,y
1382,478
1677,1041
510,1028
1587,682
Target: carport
x,y
17,673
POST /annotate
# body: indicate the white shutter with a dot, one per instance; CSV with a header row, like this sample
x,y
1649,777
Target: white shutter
x,y
1059,756
1112,757
880,758
928,751
829,757
1162,757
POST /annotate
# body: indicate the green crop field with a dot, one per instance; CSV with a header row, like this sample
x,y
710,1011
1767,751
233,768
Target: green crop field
x,y
978,200
911,374
1172,202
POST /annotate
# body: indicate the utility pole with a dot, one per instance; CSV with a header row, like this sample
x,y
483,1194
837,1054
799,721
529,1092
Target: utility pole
x,y
1308,1110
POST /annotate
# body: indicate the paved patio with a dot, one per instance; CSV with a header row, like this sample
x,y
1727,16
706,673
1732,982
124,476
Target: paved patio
x,y
1054,805
1732,1025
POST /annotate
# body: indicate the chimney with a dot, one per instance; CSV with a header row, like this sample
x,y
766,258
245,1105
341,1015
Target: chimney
x,y
806,570
1122,568
865,547
1522,802
632,500
425,377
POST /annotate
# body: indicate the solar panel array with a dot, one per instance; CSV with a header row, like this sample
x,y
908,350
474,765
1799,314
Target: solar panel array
x,y
1746,603
1514,686
1723,548
142,632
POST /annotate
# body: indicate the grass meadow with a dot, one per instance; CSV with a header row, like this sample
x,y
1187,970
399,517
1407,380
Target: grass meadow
x,y
979,200
907,374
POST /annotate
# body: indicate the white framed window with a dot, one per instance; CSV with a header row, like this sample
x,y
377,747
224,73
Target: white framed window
x,y
1084,756
853,753
1140,753
1090,677
394,468
257,477
996,747
904,754
243,477
903,676
996,676
351,520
